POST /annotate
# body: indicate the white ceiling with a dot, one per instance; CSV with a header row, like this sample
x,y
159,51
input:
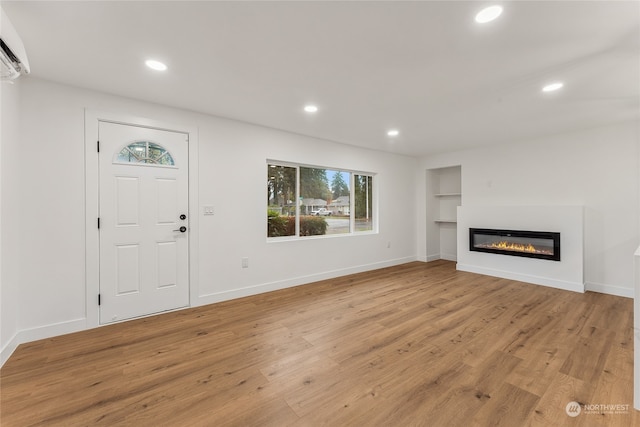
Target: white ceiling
x,y
423,67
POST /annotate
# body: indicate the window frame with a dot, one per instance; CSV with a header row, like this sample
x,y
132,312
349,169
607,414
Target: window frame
x,y
153,163
352,211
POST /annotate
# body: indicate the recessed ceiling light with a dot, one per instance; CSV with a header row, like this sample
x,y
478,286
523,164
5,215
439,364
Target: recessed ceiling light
x,y
393,132
488,14
552,86
155,65
310,108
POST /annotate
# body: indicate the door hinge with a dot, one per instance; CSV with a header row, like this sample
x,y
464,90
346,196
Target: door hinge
x,y
98,222
98,146
99,299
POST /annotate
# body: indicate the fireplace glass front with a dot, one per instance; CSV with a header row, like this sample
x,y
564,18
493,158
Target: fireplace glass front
x,y
529,244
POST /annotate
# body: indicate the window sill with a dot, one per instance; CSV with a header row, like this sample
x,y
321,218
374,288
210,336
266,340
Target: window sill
x,y
324,236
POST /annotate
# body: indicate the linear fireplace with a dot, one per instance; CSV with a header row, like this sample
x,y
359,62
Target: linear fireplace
x,y
530,244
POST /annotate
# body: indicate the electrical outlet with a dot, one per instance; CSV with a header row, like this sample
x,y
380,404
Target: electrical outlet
x,y
245,262
209,210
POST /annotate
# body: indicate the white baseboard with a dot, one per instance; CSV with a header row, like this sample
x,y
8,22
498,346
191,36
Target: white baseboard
x,y
297,281
536,280
609,289
40,333
435,257
8,349
449,257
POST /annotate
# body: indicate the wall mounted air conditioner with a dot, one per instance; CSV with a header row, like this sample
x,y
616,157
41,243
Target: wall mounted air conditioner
x,y
13,57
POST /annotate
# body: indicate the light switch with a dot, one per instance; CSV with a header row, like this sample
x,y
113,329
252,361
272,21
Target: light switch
x,y
208,210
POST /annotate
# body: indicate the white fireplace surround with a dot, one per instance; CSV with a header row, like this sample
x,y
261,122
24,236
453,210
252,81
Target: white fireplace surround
x,y
568,273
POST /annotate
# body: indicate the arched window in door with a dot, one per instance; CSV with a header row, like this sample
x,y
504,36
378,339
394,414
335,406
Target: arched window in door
x,y
145,152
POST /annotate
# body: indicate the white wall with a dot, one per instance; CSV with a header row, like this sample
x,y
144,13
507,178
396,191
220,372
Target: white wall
x,y
636,334
9,279
48,209
595,168
238,228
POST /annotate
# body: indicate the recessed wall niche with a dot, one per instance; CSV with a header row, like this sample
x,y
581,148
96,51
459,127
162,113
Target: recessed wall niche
x,y
444,195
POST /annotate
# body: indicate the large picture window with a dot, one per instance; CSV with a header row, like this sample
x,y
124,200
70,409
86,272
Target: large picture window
x,y
312,201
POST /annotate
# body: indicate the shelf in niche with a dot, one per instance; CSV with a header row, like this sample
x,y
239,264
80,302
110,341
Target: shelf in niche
x,y
448,194
446,221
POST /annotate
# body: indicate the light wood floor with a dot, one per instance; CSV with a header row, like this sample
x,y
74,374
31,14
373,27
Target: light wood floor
x,y
413,345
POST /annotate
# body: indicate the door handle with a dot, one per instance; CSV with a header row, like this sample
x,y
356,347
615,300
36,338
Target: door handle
x,y
182,229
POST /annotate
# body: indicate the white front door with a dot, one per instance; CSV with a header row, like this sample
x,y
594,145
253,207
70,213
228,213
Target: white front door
x,y
144,221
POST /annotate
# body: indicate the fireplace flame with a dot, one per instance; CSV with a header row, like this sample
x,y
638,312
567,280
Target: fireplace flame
x,y
510,246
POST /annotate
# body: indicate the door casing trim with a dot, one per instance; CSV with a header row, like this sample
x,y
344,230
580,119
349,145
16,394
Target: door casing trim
x,y
92,185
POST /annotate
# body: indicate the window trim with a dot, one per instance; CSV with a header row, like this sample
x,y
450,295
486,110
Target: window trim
x,y
352,219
